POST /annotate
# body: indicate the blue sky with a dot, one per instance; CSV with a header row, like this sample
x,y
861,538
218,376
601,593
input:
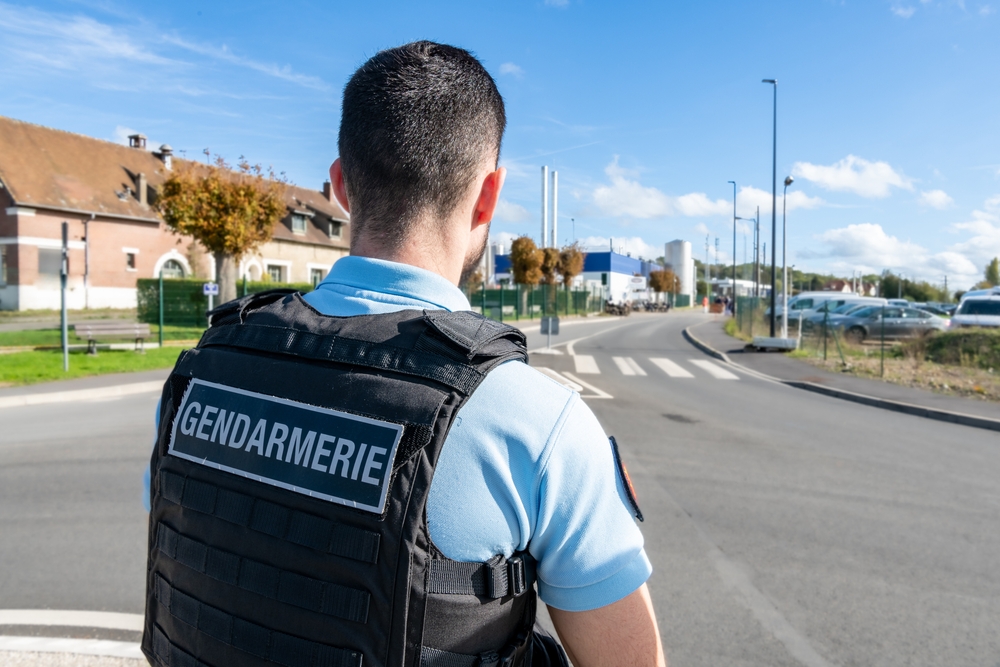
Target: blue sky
x,y
887,110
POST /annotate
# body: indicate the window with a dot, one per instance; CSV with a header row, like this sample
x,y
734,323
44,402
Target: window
x,y
315,276
172,269
276,273
298,223
3,265
977,307
49,261
130,261
335,230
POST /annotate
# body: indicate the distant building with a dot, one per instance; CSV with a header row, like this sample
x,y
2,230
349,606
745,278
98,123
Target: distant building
x,y
851,287
106,191
609,272
678,258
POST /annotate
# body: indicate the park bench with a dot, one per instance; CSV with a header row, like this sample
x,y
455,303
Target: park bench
x,y
112,329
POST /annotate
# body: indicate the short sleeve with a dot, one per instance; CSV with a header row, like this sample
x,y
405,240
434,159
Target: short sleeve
x,y
588,546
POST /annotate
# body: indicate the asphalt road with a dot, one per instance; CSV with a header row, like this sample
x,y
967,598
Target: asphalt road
x,y
785,527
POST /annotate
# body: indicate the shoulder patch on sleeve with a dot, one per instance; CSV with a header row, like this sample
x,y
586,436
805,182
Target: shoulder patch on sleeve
x,y
626,480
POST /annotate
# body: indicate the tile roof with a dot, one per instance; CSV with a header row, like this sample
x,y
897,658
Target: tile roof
x,y
49,168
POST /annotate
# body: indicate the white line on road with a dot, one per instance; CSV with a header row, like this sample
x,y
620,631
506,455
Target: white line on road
x,y
85,646
623,366
586,364
715,370
71,618
636,367
597,392
81,394
560,378
671,369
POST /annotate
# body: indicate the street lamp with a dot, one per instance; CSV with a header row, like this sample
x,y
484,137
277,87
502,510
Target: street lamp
x,y
784,265
734,247
774,200
756,250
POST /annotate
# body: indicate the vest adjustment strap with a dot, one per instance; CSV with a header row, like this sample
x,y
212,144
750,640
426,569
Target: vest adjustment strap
x,y
497,578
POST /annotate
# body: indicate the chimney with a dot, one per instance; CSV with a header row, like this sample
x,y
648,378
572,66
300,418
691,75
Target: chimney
x,y
328,191
140,186
167,155
137,141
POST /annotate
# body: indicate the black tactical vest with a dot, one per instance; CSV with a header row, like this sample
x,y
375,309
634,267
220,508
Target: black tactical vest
x,y
289,486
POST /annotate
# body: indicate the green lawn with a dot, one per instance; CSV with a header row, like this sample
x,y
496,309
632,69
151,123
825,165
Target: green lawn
x,y
54,336
42,366
7,316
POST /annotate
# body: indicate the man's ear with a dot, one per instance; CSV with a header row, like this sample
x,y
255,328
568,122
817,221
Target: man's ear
x,y
339,189
489,196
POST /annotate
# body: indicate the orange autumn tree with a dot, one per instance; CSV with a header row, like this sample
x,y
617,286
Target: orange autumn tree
x,y
230,212
570,263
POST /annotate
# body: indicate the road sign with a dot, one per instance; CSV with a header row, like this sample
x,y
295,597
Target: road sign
x,y
550,326
210,289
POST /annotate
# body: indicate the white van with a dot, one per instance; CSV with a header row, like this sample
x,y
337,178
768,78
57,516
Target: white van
x,y
810,301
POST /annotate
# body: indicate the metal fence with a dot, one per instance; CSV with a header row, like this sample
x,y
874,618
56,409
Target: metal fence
x,y
182,302
525,302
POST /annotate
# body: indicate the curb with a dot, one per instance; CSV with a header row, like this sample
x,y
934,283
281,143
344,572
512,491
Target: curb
x,y
706,348
872,401
80,394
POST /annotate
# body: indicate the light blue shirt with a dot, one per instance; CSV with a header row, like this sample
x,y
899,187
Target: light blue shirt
x,y
526,464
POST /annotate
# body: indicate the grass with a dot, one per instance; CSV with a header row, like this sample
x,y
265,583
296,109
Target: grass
x,y
22,368
41,337
8,316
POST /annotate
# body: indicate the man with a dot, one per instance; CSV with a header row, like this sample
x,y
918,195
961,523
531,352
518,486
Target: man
x,y
522,474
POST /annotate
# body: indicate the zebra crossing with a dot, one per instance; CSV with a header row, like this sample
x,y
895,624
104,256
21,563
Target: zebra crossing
x,y
586,364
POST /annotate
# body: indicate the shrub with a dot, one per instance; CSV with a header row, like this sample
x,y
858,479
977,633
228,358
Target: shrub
x,y
965,347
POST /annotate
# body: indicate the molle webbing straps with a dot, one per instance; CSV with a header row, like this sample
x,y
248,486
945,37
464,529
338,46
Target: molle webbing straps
x,y
265,580
496,578
262,516
379,356
245,636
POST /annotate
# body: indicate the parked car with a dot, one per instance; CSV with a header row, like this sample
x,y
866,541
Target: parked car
x,y
807,301
977,311
822,315
898,323
899,302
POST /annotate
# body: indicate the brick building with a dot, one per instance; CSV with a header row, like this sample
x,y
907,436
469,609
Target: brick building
x,y
105,192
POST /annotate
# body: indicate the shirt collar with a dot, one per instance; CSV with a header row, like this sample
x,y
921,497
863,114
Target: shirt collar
x,y
403,280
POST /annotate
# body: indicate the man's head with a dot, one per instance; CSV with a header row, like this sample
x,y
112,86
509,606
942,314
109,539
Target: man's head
x,y
421,124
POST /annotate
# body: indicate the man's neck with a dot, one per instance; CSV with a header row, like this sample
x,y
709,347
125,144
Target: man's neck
x,y
436,256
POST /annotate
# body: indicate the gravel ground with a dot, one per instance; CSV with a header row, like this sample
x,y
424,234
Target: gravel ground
x,y
28,659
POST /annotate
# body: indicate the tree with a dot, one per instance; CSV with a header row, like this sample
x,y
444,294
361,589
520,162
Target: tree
x,y
229,212
550,265
664,281
570,263
992,273
525,261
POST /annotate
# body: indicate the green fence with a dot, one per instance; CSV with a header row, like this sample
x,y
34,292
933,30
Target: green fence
x,y
523,302
184,303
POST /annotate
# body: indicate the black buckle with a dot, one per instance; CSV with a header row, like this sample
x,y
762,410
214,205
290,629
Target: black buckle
x,y
517,580
496,577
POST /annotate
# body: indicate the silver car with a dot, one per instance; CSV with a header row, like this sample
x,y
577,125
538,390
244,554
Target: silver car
x,y
892,322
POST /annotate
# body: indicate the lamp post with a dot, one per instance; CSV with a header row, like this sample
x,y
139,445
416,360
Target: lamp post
x,y
734,247
784,264
774,200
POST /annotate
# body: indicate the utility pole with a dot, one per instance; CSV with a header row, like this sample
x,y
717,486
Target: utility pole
x,y
545,206
708,273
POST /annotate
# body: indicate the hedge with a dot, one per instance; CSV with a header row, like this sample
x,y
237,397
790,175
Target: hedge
x,y
966,347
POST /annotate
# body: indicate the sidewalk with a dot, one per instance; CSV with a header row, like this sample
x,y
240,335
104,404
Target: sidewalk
x,y
777,365
98,386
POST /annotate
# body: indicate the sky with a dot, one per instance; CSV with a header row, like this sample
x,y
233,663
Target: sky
x,y
887,110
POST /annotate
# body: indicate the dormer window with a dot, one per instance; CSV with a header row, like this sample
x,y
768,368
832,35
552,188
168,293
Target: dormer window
x,y
298,223
335,229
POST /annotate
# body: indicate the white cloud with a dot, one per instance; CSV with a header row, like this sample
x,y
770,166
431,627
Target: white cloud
x,y
903,11
512,69
985,10
938,199
627,198
854,174
633,244
511,212
750,198
224,54
121,135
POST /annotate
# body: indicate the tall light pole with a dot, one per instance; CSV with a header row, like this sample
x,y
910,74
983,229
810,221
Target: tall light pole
x,y
734,247
774,201
784,264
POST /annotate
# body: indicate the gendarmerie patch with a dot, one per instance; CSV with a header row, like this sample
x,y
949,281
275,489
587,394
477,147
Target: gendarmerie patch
x,y
626,480
317,452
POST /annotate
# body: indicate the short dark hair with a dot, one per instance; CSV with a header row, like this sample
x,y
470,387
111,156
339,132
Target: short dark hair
x,y
416,122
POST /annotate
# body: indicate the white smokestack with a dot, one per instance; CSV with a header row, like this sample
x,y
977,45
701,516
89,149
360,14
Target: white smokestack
x,y
545,206
555,208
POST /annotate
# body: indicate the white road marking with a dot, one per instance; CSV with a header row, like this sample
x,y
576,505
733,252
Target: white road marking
x,y
671,369
84,646
72,618
628,366
80,394
561,379
586,364
597,392
714,369
636,367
